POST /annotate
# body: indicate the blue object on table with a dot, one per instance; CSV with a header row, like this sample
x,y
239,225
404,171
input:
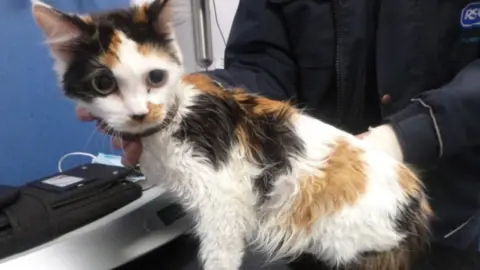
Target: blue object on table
x,y
38,124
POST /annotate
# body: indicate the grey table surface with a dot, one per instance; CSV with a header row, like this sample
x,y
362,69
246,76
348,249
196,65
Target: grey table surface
x,y
181,254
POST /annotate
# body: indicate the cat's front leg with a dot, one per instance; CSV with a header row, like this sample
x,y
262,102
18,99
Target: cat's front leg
x,y
222,230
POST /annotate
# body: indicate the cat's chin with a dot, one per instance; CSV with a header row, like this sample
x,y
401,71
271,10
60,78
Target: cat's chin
x,y
142,130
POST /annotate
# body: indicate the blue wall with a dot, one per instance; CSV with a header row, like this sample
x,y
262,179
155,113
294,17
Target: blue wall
x,y
37,123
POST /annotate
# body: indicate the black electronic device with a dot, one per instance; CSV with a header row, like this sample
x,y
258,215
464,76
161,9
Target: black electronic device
x,y
54,205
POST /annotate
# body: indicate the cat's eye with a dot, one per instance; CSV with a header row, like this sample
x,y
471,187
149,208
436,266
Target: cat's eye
x,y
156,78
104,84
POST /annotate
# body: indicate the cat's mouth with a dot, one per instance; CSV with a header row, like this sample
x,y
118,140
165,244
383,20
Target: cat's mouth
x,y
107,129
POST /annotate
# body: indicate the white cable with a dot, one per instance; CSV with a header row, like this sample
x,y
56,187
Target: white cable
x,y
73,154
452,232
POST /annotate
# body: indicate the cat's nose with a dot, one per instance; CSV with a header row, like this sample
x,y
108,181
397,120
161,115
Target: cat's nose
x,y
139,117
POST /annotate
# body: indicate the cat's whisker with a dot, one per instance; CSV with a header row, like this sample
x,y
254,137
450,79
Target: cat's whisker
x,y
115,136
89,140
108,134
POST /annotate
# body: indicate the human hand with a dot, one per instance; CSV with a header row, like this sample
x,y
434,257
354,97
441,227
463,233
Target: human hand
x,y
363,135
132,149
383,138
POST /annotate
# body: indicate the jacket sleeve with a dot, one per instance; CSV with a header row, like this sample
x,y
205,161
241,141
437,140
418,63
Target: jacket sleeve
x,y
442,122
257,54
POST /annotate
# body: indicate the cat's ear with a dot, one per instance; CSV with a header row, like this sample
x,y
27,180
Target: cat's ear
x,y
160,13
60,29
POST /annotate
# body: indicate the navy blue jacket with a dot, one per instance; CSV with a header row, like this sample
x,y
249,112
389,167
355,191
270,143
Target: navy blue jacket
x,y
357,63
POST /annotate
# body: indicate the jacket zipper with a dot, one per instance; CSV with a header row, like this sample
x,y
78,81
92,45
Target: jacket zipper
x,y
339,109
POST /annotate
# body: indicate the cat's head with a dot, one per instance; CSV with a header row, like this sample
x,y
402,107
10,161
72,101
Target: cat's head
x,y
121,65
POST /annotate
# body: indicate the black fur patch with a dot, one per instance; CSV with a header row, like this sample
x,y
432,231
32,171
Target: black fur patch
x,y
211,128
96,41
275,138
408,216
84,63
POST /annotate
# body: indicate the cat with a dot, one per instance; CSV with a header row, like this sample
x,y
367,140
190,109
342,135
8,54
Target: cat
x,y
253,172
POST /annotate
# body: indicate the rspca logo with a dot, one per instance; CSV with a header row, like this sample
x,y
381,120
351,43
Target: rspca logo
x,y
470,16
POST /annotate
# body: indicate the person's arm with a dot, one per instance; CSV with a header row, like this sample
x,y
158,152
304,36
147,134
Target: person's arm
x,y
438,123
257,54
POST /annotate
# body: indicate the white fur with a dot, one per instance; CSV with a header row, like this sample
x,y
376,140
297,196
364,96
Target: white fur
x,y
341,238
224,202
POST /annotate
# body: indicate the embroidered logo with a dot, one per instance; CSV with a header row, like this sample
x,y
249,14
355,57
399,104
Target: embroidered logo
x,y
470,16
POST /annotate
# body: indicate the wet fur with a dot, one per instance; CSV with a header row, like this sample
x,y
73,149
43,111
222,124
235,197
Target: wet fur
x,y
252,171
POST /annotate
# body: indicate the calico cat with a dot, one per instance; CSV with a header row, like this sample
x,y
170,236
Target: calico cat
x,y
252,171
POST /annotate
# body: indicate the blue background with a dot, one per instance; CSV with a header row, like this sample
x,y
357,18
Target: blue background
x,y
37,123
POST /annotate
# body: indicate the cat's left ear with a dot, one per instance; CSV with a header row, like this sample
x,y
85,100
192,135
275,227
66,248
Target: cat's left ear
x,y
160,14
60,29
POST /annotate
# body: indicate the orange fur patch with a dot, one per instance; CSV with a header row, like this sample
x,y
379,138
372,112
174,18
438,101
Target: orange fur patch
x,y
140,14
86,18
110,57
204,84
248,143
145,49
154,112
426,210
408,180
413,186
262,106
243,139
340,183
268,106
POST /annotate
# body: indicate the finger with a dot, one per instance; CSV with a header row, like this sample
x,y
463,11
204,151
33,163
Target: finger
x,y
101,128
363,135
132,152
83,114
